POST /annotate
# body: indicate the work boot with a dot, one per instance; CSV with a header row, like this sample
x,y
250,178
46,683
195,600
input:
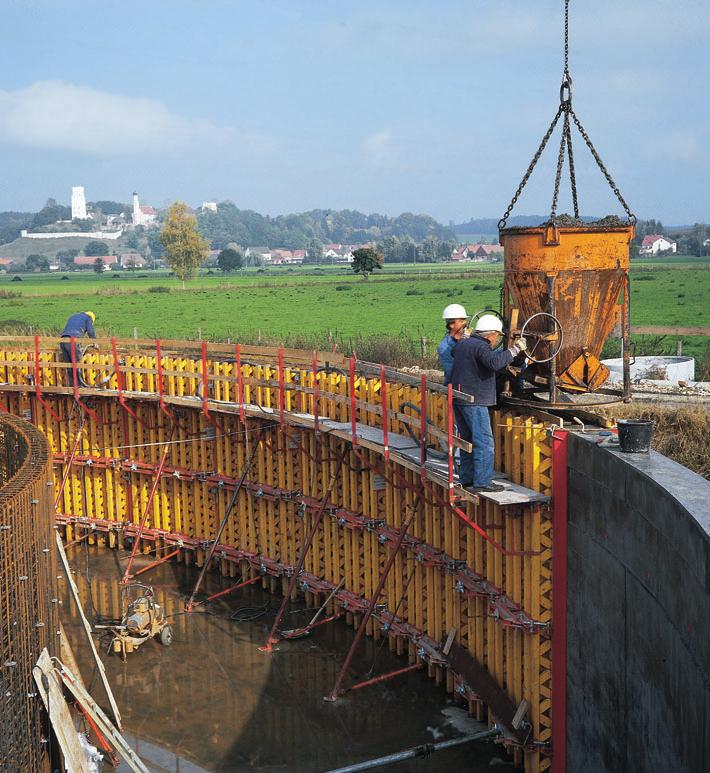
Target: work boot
x,y
491,488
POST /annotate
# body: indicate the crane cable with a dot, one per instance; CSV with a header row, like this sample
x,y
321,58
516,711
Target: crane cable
x,y
565,109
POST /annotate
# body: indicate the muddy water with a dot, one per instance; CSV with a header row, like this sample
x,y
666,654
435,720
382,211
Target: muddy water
x,y
211,701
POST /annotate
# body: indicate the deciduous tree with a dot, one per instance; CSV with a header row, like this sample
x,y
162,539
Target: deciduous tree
x,y
185,249
96,247
36,262
230,259
366,260
99,265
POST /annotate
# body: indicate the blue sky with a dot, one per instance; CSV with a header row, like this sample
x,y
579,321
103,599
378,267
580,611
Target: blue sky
x,y
286,105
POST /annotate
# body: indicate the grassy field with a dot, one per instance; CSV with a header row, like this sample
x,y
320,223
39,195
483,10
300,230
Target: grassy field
x,y
308,306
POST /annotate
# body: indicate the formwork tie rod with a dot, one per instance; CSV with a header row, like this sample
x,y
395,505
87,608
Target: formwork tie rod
x,y
417,751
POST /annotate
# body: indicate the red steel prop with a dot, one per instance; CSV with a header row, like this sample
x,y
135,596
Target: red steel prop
x,y
240,383
337,691
317,518
75,375
161,386
225,518
316,392
559,601
38,384
120,382
385,417
353,402
127,574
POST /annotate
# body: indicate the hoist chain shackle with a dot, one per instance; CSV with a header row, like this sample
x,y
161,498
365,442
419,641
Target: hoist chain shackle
x,y
556,331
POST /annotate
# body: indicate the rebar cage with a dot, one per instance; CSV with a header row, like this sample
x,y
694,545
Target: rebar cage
x,y
28,591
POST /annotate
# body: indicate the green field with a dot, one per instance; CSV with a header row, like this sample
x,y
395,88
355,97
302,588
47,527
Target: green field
x,y
307,306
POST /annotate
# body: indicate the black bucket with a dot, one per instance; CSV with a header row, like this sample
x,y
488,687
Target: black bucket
x,y
635,435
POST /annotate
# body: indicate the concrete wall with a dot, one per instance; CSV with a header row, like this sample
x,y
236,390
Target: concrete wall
x,y
638,649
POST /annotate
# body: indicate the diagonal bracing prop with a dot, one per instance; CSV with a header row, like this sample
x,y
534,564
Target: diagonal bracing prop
x,y
337,688
146,511
317,518
227,513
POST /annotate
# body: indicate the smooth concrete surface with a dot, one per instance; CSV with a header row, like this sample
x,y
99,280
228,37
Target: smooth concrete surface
x,y
670,368
638,627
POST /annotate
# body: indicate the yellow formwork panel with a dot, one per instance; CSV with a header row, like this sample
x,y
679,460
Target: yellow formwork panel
x,y
115,462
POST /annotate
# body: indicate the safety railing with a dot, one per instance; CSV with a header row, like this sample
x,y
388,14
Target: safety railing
x,y
323,386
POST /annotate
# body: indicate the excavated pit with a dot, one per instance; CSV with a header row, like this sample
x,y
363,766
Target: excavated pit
x,y
212,701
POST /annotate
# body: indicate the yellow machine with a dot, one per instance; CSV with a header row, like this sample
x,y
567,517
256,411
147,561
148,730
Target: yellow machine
x,y
144,619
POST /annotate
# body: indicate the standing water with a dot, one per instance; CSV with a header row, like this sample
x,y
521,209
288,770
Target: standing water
x,y
212,702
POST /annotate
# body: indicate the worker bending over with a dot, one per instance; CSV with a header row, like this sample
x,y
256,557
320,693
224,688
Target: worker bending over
x,y
474,372
456,320
78,326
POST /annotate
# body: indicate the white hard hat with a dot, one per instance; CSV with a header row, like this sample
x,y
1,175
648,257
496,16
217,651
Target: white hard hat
x,y
489,323
454,311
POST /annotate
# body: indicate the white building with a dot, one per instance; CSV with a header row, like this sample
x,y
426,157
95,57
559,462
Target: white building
x,y
78,203
209,205
655,243
142,215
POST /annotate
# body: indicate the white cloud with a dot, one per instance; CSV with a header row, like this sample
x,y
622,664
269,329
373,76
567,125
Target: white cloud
x,y
65,116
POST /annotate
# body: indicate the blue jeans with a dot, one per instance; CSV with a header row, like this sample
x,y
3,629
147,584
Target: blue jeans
x,y
474,426
65,347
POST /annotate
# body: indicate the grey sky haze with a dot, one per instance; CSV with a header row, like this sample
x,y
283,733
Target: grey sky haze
x,y
288,105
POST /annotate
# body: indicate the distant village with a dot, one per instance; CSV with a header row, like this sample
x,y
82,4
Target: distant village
x,y
103,229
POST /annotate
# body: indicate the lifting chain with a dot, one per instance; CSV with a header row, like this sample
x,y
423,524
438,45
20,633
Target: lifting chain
x,y
565,108
526,176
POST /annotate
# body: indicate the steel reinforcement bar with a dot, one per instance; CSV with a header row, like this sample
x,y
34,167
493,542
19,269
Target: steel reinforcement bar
x,y
315,424
28,591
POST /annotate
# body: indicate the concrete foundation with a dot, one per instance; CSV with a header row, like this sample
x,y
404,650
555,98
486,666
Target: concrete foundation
x,y
638,649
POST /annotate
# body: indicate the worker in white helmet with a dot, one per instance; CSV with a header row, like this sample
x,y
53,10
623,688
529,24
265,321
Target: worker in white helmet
x,y
474,372
456,320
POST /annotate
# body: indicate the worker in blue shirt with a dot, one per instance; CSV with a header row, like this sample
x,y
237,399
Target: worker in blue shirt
x,y
78,326
474,372
456,320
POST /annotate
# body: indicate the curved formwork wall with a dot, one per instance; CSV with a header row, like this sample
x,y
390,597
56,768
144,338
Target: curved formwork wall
x,y
28,591
179,437
638,655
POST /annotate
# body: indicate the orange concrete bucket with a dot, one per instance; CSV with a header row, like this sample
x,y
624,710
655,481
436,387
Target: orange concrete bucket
x,y
579,274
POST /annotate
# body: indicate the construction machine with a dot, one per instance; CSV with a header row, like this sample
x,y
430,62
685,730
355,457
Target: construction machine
x,y
142,620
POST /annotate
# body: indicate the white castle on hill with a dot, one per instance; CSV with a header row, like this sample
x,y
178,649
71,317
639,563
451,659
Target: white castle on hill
x,y
142,215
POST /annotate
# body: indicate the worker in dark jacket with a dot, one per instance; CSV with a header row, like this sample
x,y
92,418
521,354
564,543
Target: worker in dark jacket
x,y
78,326
474,372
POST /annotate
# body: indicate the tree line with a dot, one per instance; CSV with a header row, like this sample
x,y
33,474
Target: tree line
x,y
229,224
